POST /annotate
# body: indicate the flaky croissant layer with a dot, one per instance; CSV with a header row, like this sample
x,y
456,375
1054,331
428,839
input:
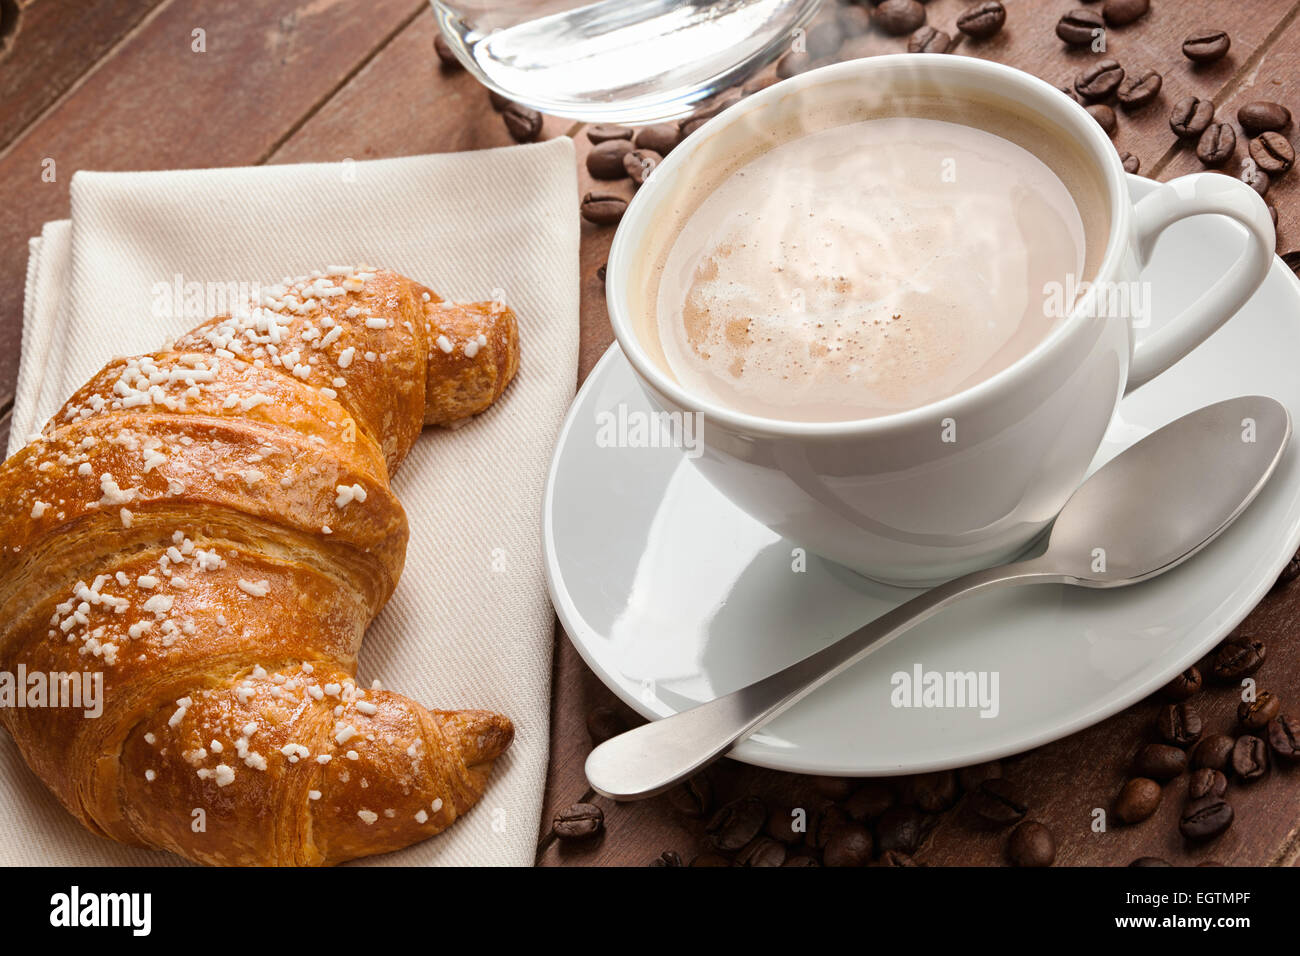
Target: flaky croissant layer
x,y
211,528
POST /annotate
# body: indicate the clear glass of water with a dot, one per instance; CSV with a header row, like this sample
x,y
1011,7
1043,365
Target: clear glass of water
x,y
618,61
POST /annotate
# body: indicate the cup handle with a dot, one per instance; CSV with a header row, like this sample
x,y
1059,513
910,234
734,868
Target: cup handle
x,y
1178,199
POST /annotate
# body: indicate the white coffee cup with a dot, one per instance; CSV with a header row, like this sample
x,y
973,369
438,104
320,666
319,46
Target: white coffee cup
x,y
894,497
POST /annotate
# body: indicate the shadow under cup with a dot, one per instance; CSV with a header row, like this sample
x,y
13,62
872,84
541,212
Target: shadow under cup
x,y
885,495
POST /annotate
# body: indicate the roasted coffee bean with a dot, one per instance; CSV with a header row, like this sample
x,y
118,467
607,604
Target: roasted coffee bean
x,y
605,161
969,778
762,852
499,102
849,845
447,57
801,859
1139,89
1138,799
735,824
578,822
1131,163
719,104
711,859
604,723
688,126
869,801
1099,80
1273,152
1262,116
1254,177
1031,844
900,829
823,39
1068,90
1213,751
781,825
1292,569
1105,117
602,132
997,801
640,163
694,798
1179,724
1160,762
1205,818
1240,657
1250,757
1150,861
1255,714
929,40
660,138
833,788
1216,145
823,824
1080,27
854,19
1120,13
1206,783
899,17
1284,738
1206,46
668,858
1191,117
982,20
523,124
894,858
792,64
931,792
1184,685
603,209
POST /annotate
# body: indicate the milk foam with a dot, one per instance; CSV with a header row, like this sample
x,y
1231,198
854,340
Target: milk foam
x,y
865,269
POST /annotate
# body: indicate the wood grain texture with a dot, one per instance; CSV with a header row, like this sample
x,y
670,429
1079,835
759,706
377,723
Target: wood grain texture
x,y
48,45
156,104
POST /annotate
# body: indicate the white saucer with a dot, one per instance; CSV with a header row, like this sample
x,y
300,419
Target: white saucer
x,y
674,596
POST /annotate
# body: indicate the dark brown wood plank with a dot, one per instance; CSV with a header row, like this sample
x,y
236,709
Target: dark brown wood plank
x,y
48,45
155,104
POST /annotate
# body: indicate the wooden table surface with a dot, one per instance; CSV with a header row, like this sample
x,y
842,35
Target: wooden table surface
x,y
116,84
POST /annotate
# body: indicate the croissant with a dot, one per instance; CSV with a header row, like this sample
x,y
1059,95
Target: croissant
x,y
211,528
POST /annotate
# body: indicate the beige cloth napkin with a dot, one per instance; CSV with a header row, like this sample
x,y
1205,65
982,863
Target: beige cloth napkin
x,y
470,624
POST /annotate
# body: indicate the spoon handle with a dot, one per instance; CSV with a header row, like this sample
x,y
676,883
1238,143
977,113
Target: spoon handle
x,y
655,756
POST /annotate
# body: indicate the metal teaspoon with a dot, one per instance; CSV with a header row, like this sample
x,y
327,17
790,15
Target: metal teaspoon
x,y
1147,510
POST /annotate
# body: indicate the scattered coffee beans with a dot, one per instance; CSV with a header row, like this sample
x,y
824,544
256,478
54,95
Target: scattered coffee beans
x,y
893,858
1139,798
900,829
1206,783
801,860
604,723
969,778
1206,46
869,802
1205,818
694,798
1216,145
1120,13
578,822
499,102
931,792
849,845
1250,757
780,825
603,209
523,124
640,163
1099,80
1139,89
668,858
833,788
1179,724
1243,656
1214,751
601,132
1284,738
1031,844
998,802
1160,762
1105,117
929,40
1254,177
735,824
1191,117
448,59
605,161
1255,714
824,824
1131,163
899,17
1273,152
1080,27
982,20
1262,116
1184,685
762,852
660,138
